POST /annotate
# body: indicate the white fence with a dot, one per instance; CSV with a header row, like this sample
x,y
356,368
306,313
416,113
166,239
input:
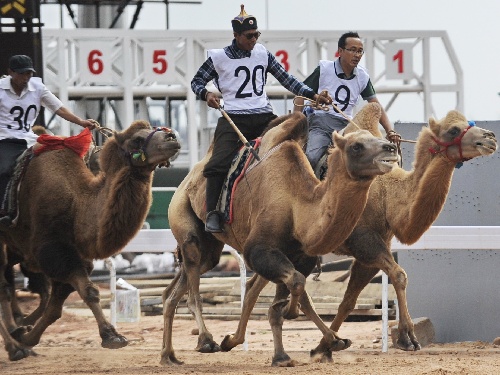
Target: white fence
x,y
437,237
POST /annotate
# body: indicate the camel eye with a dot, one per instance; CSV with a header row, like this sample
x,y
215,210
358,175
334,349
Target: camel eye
x,y
454,131
357,147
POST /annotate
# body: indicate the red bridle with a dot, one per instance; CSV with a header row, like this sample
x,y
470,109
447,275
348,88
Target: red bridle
x,y
455,142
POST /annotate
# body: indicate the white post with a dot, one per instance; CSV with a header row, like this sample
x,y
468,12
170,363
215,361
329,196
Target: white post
x,y
112,288
243,273
385,312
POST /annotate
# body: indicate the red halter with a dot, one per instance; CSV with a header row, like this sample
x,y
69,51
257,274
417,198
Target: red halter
x,y
456,141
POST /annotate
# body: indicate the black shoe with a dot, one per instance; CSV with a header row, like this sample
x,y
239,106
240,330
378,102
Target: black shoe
x,y
5,222
212,224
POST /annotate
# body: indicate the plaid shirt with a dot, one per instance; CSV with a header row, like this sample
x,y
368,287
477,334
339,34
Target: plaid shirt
x,y
207,73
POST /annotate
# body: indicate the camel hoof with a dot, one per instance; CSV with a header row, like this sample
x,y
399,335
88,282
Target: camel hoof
x,y
170,360
340,344
21,353
114,342
226,344
209,347
321,357
407,345
284,361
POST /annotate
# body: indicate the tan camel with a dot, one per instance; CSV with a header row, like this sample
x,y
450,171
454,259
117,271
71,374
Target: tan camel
x,y
274,207
402,204
68,217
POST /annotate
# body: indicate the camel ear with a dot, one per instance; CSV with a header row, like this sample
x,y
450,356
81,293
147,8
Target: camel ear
x,y
434,125
338,140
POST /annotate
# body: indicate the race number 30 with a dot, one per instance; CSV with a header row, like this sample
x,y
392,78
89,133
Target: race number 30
x,y
399,60
95,62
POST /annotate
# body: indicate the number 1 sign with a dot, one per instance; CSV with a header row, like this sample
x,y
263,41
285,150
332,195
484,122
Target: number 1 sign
x,y
399,61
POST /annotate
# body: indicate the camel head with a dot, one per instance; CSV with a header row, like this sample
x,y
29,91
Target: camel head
x,y
460,140
142,146
366,156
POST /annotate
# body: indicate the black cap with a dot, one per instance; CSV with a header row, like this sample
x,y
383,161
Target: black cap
x,y
243,21
21,64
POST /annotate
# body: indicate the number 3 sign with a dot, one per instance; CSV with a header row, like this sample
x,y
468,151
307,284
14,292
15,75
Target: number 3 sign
x,y
399,60
95,62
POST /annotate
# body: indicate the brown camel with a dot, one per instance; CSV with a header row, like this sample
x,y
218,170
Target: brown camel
x,y
402,204
68,217
274,208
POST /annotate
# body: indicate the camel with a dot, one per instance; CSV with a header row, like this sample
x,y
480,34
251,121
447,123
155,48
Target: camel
x,y
68,217
273,212
403,204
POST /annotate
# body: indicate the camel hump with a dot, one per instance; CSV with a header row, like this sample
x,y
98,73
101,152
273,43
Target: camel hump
x,y
367,118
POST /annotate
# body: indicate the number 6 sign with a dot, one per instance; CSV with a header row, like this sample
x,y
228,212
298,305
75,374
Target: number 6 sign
x,y
399,60
95,62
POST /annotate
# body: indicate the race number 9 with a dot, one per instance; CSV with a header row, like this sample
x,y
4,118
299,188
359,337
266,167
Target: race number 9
x,y
399,60
95,62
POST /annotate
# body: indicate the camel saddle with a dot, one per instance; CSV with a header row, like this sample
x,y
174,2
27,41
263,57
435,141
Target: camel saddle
x,y
239,166
79,144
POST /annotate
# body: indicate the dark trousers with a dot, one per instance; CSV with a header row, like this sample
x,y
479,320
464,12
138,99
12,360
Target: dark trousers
x,y
10,150
226,145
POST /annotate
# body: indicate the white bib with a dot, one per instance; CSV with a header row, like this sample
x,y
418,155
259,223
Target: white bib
x,y
17,114
241,81
345,92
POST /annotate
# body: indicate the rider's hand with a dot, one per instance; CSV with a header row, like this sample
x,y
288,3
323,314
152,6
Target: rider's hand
x,y
213,100
324,98
393,137
90,124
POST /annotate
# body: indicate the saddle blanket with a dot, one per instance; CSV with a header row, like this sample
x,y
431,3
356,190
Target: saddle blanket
x,y
239,165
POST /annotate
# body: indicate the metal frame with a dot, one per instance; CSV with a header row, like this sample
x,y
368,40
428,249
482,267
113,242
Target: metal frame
x,y
61,70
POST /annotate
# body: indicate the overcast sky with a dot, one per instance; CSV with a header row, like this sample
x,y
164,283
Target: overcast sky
x,y
473,28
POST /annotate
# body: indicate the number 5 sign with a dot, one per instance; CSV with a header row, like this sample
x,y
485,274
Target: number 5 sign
x,y
399,61
95,62
159,62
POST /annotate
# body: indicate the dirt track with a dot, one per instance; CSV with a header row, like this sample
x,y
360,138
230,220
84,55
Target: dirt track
x,y
72,346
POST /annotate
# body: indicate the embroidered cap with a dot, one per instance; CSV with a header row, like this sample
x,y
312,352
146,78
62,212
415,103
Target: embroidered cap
x,y
21,64
243,21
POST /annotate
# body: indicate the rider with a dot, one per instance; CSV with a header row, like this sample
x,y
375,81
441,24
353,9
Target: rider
x,y
21,97
346,81
238,71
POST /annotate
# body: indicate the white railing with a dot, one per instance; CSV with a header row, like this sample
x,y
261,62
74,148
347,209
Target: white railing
x,y
437,237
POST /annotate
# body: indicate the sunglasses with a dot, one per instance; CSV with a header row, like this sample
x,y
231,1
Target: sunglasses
x,y
250,36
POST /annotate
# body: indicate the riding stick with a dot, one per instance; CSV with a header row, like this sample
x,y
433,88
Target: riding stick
x,y
240,134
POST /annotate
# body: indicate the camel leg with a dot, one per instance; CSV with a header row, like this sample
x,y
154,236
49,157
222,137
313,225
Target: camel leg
x,y
195,262
360,277
6,291
406,334
253,288
37,284
275,266
275,314
15,349
171,297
